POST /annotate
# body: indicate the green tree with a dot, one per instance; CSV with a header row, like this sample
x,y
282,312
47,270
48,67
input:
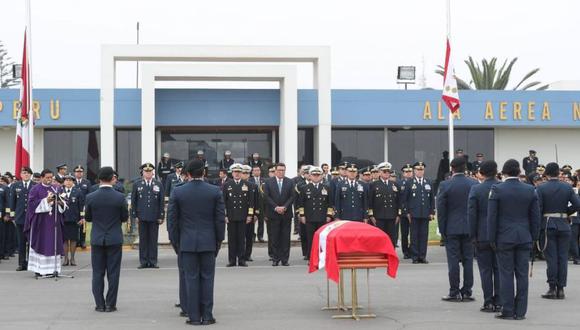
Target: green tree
x,y
489,76
6,79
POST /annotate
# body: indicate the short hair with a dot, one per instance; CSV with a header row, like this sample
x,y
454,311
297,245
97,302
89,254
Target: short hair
x,y
488,168
223,170
256,166
106,174
323,164
280,165
552,169
458,164
23,169
511,168
195,168
45,172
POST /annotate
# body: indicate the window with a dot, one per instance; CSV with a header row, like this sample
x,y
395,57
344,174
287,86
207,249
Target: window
x,y
73,147
362,147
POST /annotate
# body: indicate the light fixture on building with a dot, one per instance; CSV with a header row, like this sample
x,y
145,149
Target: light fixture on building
x,y
406,75
17,71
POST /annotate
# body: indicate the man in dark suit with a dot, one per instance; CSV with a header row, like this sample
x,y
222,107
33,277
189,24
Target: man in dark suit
x,y
384,202
456,231
513,216
279,195
18,205
486,258
557,201
106,208
196,221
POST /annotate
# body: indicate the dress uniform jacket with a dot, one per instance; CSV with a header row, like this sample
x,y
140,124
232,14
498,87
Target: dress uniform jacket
x,y
19,201
172,180
106,209
238,199
384,201
351,201
147,201
84,185
418,199
477,210
555,196
452,205
529,164
226,163
75,203
314,203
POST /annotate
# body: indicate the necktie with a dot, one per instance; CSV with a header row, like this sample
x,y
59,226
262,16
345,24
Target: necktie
x,y
280,186
26,185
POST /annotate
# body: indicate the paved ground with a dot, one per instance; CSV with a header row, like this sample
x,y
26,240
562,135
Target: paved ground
x,y
263,297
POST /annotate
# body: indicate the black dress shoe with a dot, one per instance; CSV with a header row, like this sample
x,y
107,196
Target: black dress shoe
x,y
275,263
560,294
497,308
504,317
249,259
576,262
415,262
231,264
178,305
154,266
551,294
183,314
110,309
305,258
20,268
100,309
242,264
285,263
456,298
261,240
406,256
142,266
488,308
519,318
424,261
467,298
190,322
208,322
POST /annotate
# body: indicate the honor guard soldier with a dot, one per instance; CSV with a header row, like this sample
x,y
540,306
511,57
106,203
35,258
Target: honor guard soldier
x,y
73,218
228,161
530,163
147,207
351,198
18,207
513,217
477,162
173,180
407,174
455,229
557,201
299,227
314,207
486,257
239,200
250,226
255,161
61,171
384,202
257,180
375,175
84,186
165,168
419,209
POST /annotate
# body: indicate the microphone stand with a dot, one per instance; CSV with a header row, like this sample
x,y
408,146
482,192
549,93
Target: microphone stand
x,y
56,275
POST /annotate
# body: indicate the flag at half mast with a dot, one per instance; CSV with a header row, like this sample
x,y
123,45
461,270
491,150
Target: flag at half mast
x,y
450,91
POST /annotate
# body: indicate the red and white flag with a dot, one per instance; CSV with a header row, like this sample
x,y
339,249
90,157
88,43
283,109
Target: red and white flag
x,y
25,116
450,92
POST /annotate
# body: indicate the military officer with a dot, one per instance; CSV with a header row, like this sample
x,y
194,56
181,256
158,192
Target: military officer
x,y
341,169
299,227
314,206
250,226
407,174
513,217
375,175
201,156
173,180
575,228
540,169
73,218
4,191
228,161
351,198
384,202
255,161
258,206
84,186
61,171
477,162
147,207
530,163
554,197
567,169
18,205
164,168
419,208
239,206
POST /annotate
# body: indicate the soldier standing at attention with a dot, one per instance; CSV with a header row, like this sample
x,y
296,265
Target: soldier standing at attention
x,y
554,197
477,162
239,208
258,206
250,226
255,161
384,202
419,208
530,163
164,168
18,205
351,198
147,207
228,161
173,180
407,171
73,219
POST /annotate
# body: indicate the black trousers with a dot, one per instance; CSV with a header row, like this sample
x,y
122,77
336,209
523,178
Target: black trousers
x,y
199,271
22,243
260,226
269,232
11,238
556,254
389,227
3,226
148,241
106,260
182,291
459,249
575,241
250,235
280,230
311,228
489,273
303,240
82,237
405,232
513,261
236,241
419,238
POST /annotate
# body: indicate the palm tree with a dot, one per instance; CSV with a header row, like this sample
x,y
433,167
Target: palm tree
x,y
487,76
6,79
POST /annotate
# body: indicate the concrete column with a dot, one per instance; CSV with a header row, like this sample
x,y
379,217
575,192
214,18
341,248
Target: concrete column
x,y
289,124
323,132
386,156
147,116
107,114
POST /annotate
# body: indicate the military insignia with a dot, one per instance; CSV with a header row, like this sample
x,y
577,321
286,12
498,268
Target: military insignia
x,y
156,188
344,188
139,189
360,188
378,195
395,188
230,188
324,192
427,187
244,188
414,186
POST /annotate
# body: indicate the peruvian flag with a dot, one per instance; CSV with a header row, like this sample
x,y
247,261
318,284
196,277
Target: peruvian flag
x,y
450,92
343,236
25,117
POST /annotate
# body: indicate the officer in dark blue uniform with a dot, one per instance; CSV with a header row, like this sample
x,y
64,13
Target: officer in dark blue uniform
x,y
351,198
486,258
84,186
18,205
227,162
106,209
239,207
555,197
165,168
419,208
197,226
530,163
407,174
384,202
147,208
513,216
4,191
314,206
477,162
299,227
338,179
455,229
61,172
173,180
73,218
575,239
250,226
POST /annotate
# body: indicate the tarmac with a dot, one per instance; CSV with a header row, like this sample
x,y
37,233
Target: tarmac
x,y
266,297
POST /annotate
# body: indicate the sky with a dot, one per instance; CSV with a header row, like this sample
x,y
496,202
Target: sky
x,y
368,39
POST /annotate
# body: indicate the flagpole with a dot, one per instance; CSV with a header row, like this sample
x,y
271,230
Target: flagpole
x,y
450,128
31,99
